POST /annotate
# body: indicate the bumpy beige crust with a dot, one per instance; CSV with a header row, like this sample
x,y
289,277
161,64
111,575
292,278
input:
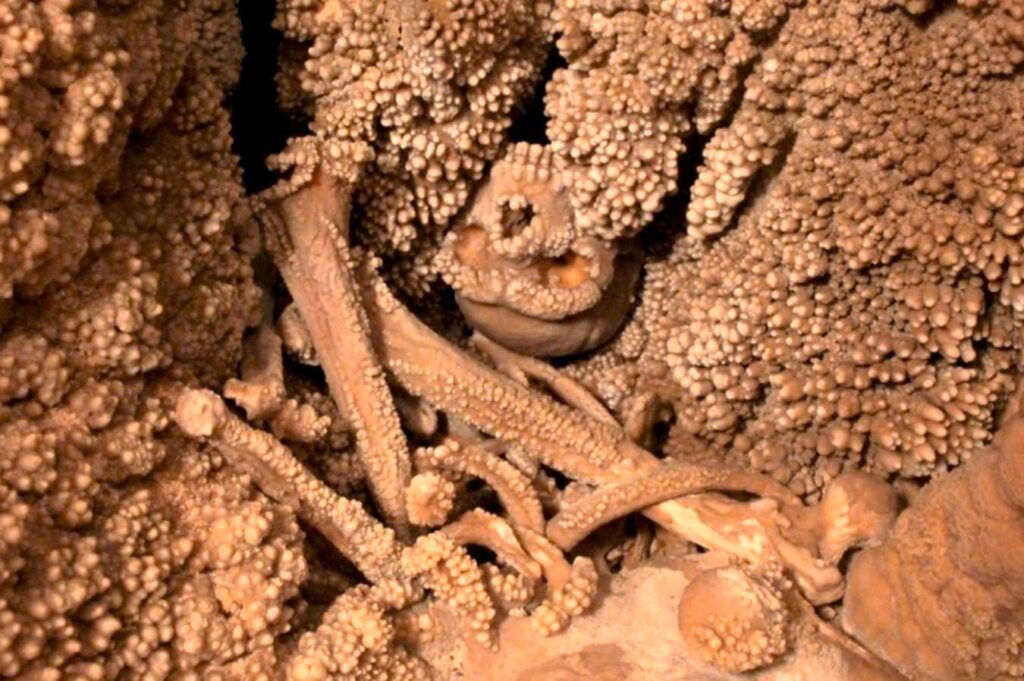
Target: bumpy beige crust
x,y
307,233
127,551
768,347
847,293
412,97
640,77
371,546
733,620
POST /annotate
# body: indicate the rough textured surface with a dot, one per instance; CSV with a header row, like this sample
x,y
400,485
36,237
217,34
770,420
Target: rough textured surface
x,y
127,551
311,434
846,293
733,620
608,645
422,93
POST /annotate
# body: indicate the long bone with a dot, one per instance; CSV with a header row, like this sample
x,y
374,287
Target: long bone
x,y
307,233
427,366
360,537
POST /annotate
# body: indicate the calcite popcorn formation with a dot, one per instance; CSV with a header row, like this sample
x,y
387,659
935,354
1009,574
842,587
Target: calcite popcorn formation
x,y
127,550
775,244
846,293
419,98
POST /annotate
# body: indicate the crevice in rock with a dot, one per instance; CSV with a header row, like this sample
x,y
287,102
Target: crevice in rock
x,y
531,123
259,126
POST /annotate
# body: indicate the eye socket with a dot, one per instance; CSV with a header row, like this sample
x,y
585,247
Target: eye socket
x,y
471,247
569,270
515,217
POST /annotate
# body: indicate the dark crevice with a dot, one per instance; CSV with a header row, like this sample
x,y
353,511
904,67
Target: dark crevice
x,y
481,554
259,126
924,19
531,124
657,237
657,439
560,479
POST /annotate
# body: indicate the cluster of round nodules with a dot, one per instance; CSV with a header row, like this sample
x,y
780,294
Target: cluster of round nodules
x,y
731,159
511,590
857,309
112,210
640,76
429,499
448,571
31,234
29,365
248,563
733,619
29,464
788,378
22,146
91,105
568,600
113,324
356,639
440,80
619,148
61,94
131,448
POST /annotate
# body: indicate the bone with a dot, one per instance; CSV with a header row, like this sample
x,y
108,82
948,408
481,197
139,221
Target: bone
x,y
356,534
307,233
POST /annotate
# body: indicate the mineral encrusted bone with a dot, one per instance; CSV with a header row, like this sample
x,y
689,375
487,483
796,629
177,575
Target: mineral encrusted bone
x,y
610,339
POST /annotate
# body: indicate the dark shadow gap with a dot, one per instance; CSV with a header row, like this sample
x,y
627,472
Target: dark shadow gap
x,y
258,125
658,237
531,124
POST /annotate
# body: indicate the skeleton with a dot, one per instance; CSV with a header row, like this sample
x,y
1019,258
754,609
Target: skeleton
x,y
363,335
